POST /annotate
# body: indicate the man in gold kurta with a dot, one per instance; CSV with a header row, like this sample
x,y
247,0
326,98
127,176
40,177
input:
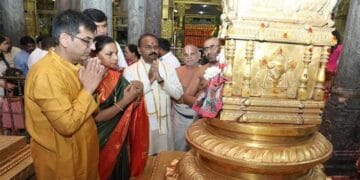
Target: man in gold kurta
x,y
59,104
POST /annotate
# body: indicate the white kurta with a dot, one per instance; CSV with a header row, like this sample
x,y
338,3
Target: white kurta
x,y
170,60
158,102
121,58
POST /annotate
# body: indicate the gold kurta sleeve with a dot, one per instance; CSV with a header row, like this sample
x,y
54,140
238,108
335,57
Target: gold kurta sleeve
x,y
65,113
58,113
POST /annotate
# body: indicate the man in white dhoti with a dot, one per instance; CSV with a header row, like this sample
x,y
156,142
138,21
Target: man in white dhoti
x,y
183,114
160,84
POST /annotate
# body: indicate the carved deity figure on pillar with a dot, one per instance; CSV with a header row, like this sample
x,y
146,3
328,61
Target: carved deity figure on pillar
x,y
272,105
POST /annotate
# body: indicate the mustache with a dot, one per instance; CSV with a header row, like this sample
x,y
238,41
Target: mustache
x,y
153,53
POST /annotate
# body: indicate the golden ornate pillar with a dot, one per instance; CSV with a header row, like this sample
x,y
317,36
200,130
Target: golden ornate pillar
x,y
179,28
167,19
181,7
268,127
31,20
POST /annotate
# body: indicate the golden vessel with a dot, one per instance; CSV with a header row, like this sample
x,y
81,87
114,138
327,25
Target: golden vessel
x,y
276,53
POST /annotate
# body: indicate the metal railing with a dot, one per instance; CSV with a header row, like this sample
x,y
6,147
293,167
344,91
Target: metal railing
x,y
12,96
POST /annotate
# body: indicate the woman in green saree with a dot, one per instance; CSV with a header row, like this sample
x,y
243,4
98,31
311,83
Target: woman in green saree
x,y
121,121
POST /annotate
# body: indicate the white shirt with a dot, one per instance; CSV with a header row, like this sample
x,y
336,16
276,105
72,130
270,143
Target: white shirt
x,y
35,56
121,58
170,60
158,102
10,56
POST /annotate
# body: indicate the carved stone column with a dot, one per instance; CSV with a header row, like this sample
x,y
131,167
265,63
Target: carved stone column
x,y
136,19
153,17
13,19
342,111
103,5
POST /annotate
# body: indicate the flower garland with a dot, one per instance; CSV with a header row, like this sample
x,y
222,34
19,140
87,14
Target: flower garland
x,y
211,72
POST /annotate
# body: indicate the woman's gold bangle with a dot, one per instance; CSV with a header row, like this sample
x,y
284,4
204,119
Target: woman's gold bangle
x,y
120,108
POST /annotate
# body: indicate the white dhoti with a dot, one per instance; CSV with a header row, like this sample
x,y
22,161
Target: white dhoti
x,y
160,140
183,117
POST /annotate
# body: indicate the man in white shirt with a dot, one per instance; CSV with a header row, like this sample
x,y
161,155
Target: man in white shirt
x,y
166,55
160,84
44,43
100,20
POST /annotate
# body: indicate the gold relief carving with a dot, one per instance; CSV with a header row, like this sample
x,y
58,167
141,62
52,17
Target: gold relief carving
x,y
308,33
249,52
316,148
274,74
302,12
302,90
188,168
277,51
319,86
276,69
273,116
202,2
210,170
256,101
230,54
238,66
165,9
280,117
230,115
282,131
276,32
229,107
264,110
317,172
320,37
223,27
267,140
166,28
181,7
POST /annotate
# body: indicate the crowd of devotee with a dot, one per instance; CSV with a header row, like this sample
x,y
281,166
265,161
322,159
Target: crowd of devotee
x,y
93,109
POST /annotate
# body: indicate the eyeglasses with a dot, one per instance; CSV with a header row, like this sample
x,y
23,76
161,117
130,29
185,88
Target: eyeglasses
x,y
210,47
189,55
149,48
88,42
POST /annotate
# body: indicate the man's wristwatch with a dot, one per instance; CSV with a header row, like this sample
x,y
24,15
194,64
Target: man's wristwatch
x,y
161,81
